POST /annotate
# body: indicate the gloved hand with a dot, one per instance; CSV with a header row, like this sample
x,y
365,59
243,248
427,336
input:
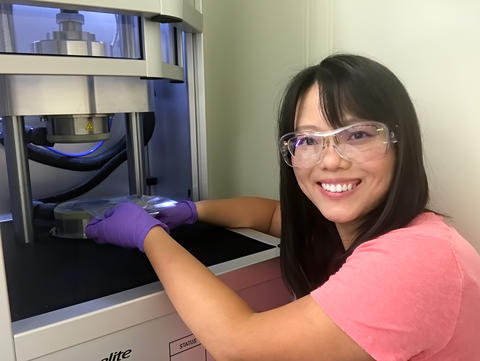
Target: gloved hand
x,y
126,225
183,212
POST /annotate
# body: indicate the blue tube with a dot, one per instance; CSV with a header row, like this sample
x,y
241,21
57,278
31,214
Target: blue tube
x,y
74,155
71,155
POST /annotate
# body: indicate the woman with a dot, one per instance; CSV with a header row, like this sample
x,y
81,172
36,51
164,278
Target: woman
x,y
375,275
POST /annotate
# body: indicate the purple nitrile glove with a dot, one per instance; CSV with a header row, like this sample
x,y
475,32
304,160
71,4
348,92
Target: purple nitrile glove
x,y
183,212
126,226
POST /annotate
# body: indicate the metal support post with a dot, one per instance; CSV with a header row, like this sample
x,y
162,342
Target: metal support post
x,y
135,154
7,36
18,178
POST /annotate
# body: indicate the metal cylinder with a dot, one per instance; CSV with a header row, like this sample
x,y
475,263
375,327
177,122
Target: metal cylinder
x,y
70,21
81,128
135,155
70,39
18,178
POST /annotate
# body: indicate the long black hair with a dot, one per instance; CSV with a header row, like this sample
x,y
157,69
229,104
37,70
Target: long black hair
x,y
311,248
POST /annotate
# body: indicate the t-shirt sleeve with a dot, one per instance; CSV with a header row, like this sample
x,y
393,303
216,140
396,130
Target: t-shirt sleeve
x,y
397,296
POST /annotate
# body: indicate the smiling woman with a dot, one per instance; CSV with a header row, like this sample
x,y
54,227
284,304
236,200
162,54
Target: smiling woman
x,y
341,91
374,274
363,167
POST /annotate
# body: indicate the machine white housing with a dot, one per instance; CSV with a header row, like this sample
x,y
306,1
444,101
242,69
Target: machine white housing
x,y
138,323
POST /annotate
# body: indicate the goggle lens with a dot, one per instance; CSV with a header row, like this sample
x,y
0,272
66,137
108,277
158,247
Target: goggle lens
x,y
358,142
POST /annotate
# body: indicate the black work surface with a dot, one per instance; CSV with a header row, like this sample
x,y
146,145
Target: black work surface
x,y
54,273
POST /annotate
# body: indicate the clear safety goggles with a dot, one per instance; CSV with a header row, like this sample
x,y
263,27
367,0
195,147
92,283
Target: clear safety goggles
x,y
359,142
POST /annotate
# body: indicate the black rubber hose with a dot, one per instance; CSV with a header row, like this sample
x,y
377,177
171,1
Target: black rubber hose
x,y
43,214
106,170
88,185
83,164
47,157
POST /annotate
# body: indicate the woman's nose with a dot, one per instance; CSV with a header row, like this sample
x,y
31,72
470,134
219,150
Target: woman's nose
x,y
331,158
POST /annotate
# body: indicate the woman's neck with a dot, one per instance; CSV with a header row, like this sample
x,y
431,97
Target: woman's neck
x,y
347,232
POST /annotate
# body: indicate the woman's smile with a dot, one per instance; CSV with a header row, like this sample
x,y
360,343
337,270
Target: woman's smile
x,y
338,187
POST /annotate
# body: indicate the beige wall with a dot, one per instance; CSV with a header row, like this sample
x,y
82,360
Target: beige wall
x,y
433,46
252,48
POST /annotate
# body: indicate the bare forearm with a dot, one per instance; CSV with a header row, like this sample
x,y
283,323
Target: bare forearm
x,y
196,293
249,212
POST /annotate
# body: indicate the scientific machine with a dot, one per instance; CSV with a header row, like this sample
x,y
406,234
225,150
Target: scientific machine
x,y
127,76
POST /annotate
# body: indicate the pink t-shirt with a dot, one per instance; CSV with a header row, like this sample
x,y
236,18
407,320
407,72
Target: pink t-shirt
x,y
411,294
